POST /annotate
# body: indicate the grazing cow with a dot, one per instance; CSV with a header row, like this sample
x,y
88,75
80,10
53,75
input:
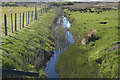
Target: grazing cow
x,y
88,36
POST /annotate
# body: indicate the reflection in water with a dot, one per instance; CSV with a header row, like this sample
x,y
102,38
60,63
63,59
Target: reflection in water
x,y
63,39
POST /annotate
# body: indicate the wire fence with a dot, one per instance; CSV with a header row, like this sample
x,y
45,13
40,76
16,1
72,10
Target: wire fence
x,y
11,73
19,21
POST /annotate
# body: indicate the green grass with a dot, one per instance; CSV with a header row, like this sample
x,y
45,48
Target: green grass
x,y
30,48
87,61
18,10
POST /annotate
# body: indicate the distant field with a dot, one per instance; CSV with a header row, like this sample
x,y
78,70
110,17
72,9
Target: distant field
x,y
95,5
18,10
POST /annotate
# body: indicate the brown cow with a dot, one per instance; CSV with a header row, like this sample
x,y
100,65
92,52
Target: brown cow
x,y
87,36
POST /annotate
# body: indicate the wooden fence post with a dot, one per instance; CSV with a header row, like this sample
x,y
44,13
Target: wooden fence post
x,y
35,13
20,20
15,22
32,16
23,21
11,23
5,18
28,17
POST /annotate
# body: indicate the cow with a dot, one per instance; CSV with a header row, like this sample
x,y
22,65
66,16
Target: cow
x,y
87,36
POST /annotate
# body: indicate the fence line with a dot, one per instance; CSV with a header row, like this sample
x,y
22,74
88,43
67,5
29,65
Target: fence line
x,y
20,73
22,25
28,20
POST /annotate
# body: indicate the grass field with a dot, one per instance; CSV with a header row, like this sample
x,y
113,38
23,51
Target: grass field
x,y
97,59
18,10
30,48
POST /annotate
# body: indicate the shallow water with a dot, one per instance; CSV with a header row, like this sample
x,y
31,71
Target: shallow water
x,y
63,39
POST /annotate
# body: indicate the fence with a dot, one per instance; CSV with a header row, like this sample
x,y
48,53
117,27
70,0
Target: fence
x,y
29,16
18,74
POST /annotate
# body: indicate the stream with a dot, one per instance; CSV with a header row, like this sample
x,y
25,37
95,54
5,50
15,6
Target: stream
x,y
63,39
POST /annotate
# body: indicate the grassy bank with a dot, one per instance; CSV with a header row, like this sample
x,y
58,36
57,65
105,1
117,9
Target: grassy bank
x,y
98,58
30,48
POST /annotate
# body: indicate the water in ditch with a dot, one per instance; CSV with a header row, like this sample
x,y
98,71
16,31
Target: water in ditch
x,y
63,39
